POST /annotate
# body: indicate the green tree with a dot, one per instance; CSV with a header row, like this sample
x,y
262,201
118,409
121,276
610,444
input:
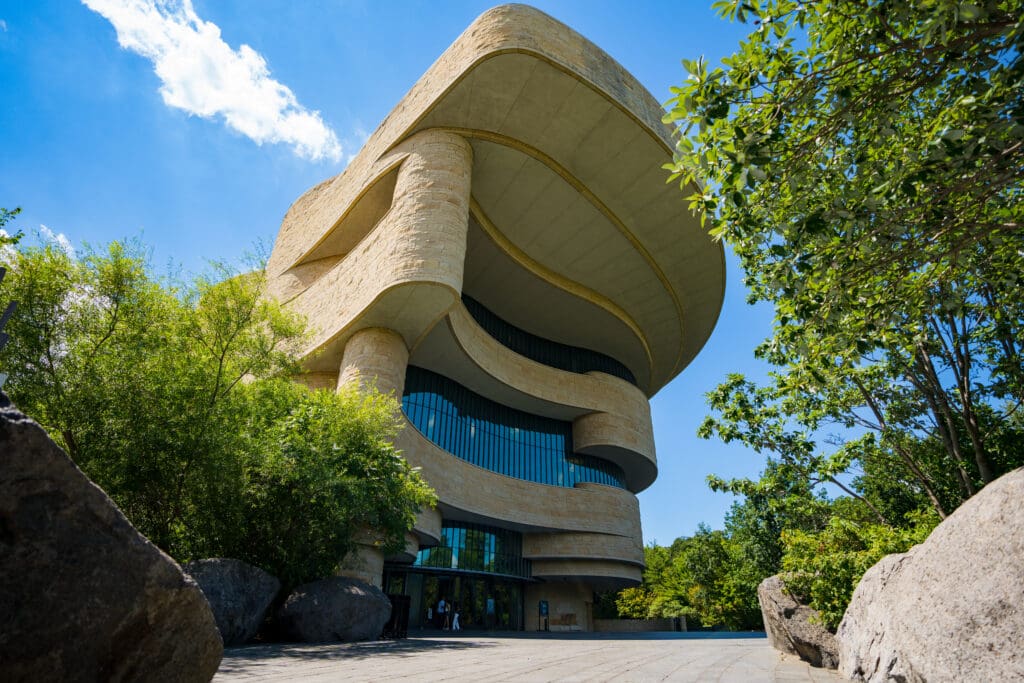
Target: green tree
x,y
706,578
863,158
321,468
6,216
864,161
860,139
634,603
175,402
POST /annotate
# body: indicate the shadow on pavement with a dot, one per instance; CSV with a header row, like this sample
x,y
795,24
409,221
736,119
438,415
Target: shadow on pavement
x,y
238,658
576,635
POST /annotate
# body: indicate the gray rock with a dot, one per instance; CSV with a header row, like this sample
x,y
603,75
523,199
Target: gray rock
x,y
951,609
83,595
793,627
334,609
239,595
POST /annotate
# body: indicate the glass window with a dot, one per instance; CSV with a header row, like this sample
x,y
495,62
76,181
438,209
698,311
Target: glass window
x,y
550,353
474,547
499,438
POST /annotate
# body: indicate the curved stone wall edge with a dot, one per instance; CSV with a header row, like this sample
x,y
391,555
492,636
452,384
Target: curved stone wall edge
x,y
421,239
621,417
480,492
578,546
587,569
428,526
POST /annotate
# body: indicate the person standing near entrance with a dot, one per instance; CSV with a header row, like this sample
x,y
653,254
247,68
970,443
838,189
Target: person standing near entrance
x,y
442,621
455,619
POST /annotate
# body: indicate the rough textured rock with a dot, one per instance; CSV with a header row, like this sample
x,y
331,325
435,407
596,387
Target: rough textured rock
x,y
334,609
790,627
83,595
951,609
239,595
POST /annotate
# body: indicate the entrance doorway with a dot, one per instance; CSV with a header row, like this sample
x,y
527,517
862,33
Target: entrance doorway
x,y
483,602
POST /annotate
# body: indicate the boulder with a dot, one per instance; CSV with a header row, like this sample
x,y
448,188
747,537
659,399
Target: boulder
x,y
951,609
83,595
794,628
334,609
239,595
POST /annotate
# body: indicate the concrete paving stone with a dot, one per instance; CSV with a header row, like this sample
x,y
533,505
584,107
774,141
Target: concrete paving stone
x,y
590,657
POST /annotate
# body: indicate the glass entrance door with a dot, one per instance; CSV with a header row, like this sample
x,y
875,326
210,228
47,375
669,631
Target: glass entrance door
x,y
483,603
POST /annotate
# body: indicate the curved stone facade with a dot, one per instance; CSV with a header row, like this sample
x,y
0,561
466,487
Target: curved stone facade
x,y
522,173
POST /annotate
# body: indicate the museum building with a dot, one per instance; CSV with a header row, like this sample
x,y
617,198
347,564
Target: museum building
x,y
505,256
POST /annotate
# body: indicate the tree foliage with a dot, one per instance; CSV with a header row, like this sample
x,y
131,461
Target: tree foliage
x,y
823,568
864,158
709,578
176,402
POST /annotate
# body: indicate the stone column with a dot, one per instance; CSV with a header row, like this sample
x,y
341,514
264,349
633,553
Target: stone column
x,y
375,357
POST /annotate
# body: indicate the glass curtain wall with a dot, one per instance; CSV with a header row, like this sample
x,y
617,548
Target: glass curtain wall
x,y
499,438
483,602
477,548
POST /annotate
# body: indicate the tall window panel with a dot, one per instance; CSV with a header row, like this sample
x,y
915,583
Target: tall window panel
x,y
476,548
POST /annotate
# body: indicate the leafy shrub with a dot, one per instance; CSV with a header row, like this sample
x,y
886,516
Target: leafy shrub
x,y
823,568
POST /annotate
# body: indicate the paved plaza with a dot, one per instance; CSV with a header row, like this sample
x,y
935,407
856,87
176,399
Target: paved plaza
x,y
725,658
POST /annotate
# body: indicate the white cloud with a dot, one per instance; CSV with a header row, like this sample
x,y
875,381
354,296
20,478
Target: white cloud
x,y
203,75
59,239
3,26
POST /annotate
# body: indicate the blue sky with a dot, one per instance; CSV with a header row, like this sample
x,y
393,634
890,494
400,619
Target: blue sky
x,y
198,145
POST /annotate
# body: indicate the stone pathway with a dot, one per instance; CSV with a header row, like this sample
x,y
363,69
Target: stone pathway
x,y
723,658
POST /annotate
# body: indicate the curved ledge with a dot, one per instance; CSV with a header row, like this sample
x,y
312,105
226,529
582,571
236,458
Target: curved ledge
x,y
406,273
583,546
501,30
593,571
428,527
474,494
614,418
620,440
528,263
409,552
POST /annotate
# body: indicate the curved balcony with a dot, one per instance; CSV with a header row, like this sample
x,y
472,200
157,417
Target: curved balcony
x,y
544,351
611,418
405,271
472,493
609,575
583,546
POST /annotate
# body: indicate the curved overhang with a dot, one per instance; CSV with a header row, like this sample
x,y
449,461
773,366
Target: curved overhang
x,y
473,494
600,574
611,417
567,153
584,546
